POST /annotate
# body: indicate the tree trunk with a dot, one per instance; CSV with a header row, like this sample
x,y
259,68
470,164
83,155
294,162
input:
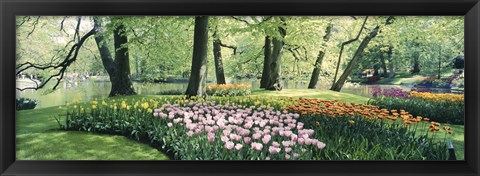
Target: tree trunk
x,y
275,82
337,86
318,62
217,55
197,82
440,63
391,72
266,63
376,67
383,66
416,65
118,69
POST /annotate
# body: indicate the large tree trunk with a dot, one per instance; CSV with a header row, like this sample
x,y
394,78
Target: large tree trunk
x,y
197,82
318,62
440,63
391,72
118,69
217,55
275,82
266,63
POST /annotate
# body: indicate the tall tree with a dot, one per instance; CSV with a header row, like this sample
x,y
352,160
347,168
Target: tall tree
x,y
197,82
321,54
337,86
118,69
267,54
217,55
343,46
391,72
275,82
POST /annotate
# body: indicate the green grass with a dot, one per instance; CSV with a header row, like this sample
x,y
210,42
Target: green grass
x,y
38,137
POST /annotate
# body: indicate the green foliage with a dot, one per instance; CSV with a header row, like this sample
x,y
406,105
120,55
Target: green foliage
x,y
25,103
438,111
374,140
229,90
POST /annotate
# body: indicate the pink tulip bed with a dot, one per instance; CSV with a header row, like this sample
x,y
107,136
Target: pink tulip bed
x,y
206,130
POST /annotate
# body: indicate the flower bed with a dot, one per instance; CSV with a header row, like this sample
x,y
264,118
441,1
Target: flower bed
x,y
444,108
253,128
229,90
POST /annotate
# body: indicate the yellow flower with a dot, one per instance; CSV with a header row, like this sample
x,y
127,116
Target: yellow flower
x,y
145,105
94,106
149,110
124,104
104,103
67,104
74,106
128,108
94,102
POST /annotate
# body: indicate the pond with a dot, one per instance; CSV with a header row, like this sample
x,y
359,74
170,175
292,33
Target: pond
x,y
89,90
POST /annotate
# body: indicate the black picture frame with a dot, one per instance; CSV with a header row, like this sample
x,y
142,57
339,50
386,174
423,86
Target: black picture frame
x,y
10,8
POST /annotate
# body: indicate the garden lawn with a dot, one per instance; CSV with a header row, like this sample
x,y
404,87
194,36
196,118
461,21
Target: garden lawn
x,y
39,138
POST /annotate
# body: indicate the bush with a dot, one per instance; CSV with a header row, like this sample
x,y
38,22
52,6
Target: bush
x,y
249,128
438,111
25,103
172,92
229,90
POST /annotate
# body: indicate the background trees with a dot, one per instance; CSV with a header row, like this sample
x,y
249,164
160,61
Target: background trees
x,y
267,49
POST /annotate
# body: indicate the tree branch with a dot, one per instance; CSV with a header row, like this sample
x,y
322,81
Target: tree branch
x,y
35,23
71,57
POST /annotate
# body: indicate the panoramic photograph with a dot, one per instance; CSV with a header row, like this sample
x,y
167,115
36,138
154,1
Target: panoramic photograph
x,y
240,88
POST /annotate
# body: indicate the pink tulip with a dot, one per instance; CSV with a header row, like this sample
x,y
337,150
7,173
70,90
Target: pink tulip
x,y
238,146
293,137
224,138
300,141
275,144
190,133
229,145
288,149
256,146
287,156
295,155
266,139
256,136
273,150
211,137
321,145
247,140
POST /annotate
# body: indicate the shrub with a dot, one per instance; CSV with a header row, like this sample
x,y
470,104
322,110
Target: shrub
x,y
25,103
229,90
172,92
438,111
392,92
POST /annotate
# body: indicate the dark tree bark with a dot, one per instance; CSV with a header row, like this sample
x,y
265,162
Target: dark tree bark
x,y
118,69
416,65
376,67
266,63
337,86
383,65
440,63
275,82
318,62
217,55
391,72
197,82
